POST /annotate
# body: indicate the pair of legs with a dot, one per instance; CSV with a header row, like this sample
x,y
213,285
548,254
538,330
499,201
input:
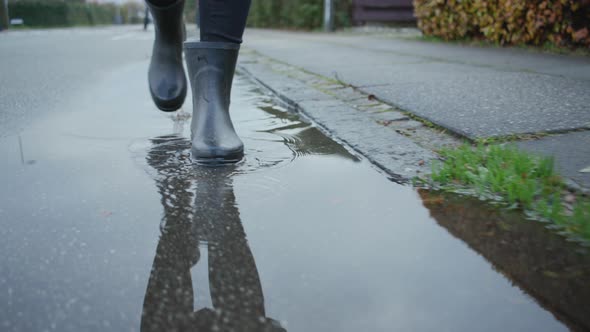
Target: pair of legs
x,y
221,20
211,64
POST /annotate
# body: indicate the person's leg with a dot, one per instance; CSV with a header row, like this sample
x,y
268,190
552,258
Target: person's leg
x,y
166,76
211,64
223,20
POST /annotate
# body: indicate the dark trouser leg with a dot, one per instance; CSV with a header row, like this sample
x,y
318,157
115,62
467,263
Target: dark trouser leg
x,y
223,20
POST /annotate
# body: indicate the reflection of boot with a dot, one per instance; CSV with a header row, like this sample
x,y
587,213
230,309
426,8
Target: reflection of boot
x,y
211,67
166,74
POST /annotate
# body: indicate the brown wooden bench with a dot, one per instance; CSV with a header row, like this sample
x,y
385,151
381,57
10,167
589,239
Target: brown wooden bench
x,y
384,11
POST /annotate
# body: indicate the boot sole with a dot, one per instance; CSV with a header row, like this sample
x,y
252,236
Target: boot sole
x,y
169,105
218,161
215,162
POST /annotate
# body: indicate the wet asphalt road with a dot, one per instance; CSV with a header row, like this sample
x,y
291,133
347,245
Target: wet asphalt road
x,y
107,226
42,68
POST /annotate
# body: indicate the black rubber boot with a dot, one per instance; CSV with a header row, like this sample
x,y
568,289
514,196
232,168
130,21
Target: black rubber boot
x,y
211,67
166,74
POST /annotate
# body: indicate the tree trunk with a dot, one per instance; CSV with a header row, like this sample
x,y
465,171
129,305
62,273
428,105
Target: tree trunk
x,y
3,14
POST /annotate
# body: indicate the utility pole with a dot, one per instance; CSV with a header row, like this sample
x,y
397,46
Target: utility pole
x,y
118,16
328,15
4,15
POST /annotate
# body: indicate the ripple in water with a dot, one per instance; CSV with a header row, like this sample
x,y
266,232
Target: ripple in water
x,y
273,137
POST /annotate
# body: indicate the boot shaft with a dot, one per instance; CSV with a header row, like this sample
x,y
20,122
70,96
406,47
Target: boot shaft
x,y
211,67
168,22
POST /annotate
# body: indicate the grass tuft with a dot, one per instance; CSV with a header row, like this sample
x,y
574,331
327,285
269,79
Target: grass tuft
x,y
519,179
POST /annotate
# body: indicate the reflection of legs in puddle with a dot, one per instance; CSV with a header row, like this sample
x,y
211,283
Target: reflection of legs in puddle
x,y
234,282
168,303
235,287
211,64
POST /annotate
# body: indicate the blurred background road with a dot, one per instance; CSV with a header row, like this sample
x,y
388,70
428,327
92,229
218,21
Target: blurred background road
x,y
43,68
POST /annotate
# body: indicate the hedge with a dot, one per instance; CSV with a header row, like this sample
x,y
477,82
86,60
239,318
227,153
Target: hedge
x,y
296,14
3,17
132,13
61,13
507,22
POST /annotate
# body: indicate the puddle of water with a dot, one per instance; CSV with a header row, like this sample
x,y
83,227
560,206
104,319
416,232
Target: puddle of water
x,y
554,272
107,225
